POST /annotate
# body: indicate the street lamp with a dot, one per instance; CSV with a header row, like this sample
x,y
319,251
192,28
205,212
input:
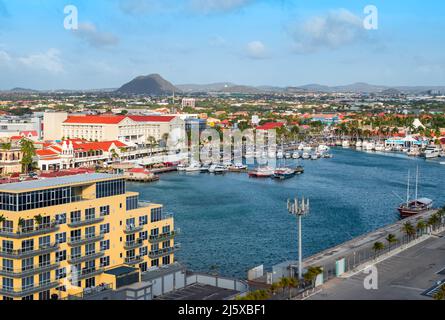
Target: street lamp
x,y
299,209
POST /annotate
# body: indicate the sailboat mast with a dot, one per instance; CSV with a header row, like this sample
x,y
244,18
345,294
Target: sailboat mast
x,y
417,182
407,191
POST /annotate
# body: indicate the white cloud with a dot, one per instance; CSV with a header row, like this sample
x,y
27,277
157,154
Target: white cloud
x,y
136,7
49,61
95,38
256,50
331,31
214,6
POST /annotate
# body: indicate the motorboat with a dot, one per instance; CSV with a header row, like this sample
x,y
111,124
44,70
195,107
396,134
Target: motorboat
x,y
314,156
283,173
181,167
345,144
280,155
237,168
296,155
299,170
431,152
262,172
217,169
194,167
306,156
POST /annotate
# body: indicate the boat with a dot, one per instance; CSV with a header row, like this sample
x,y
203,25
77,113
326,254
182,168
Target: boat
x,y
359,144
205,168
379,147
217,169
283,173
287,155
280,155
323,148
370,146
414,152
264,172
414,206
296,155
299,170
431,152
306,156
328,156
345,144
181,167
388,149
194,167
314,156
237,168
443,162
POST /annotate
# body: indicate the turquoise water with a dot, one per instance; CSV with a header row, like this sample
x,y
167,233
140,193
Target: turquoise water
x,y
236,222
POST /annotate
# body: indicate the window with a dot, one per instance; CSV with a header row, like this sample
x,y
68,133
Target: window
x,y
61,237
143,235
155,247
143,220
44,260
104,245
132,203
104,262
90,249
44,278
143,267
156,214
90,214
76,216
90,232
104,211
110,188
61,218
28,283
76,252
8,284
27,264
130,223
44,242
60,273
8,265
166,229
166,244
143,251
27,245
105,228
76,235
166,260
61,256
7,245
155,263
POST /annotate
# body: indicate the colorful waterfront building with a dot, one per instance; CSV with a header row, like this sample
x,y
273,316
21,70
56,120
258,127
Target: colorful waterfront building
x,y
62,236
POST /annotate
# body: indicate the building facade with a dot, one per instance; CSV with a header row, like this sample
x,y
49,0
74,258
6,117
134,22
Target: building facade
x,y
62,236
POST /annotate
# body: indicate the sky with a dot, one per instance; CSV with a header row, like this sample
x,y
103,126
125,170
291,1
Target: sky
x,y
250,42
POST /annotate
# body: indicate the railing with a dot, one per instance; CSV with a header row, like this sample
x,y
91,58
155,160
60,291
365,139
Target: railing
x,y
80,258
164,251
78,241
85,273
85,222
25,232
133,229
133,244
23,272
134,260
23,253
20,292
164,236
90,292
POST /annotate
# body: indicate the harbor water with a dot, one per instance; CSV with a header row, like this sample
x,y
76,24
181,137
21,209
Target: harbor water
x,y
231,223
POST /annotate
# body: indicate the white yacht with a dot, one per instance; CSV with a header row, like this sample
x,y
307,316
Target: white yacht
x,y
379,147
306,156
296,155
431,152
359,144
345,144
370,146
194,167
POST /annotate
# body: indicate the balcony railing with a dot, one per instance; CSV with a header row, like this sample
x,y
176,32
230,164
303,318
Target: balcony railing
x,y
25,232
164,251
88,257
164,236
134,260
86,273
25,291
28,271
90,292
133,229
24,253
85,222
133,244
78,241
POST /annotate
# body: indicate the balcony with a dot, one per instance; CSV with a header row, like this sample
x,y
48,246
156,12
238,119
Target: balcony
x,y
134,260
164,236
86,222
24,253
164,251
80,259
27,232
86,273
79,241
133,244
133,229
21,292
24,272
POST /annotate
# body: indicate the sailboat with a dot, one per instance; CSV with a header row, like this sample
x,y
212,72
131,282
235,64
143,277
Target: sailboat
x,y
414,206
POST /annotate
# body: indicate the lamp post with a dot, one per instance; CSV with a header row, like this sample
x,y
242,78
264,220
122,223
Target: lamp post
x,y
299,209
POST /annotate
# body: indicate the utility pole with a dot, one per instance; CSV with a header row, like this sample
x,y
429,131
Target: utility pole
x,y
299,209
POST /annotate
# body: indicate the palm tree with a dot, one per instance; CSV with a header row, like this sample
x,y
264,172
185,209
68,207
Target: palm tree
x,y
421,225
151,142
312,274
434,220
409,230
21,223
378,246
2,219
391,239
29,152
38,219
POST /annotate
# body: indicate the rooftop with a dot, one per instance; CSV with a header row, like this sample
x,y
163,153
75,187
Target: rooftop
x,y
121,270
55,182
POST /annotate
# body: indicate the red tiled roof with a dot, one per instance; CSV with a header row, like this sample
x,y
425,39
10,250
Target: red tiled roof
x,y
103,145
138,170
95,119
116,119
270,125
27,133
46,152
152,118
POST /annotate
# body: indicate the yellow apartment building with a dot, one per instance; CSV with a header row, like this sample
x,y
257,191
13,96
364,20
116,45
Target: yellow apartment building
x,y
64,235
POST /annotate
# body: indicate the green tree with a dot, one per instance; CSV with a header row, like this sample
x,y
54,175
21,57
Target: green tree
x,y
440,295
312,273
29,152
378,246
391,238
409,230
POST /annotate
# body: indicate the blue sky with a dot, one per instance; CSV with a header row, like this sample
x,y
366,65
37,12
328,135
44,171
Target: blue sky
x,y
252,42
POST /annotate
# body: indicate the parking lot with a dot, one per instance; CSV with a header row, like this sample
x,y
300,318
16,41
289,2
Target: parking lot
x,y
199,292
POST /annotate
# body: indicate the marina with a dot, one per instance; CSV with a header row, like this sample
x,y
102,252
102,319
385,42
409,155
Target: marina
x,y
243,221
